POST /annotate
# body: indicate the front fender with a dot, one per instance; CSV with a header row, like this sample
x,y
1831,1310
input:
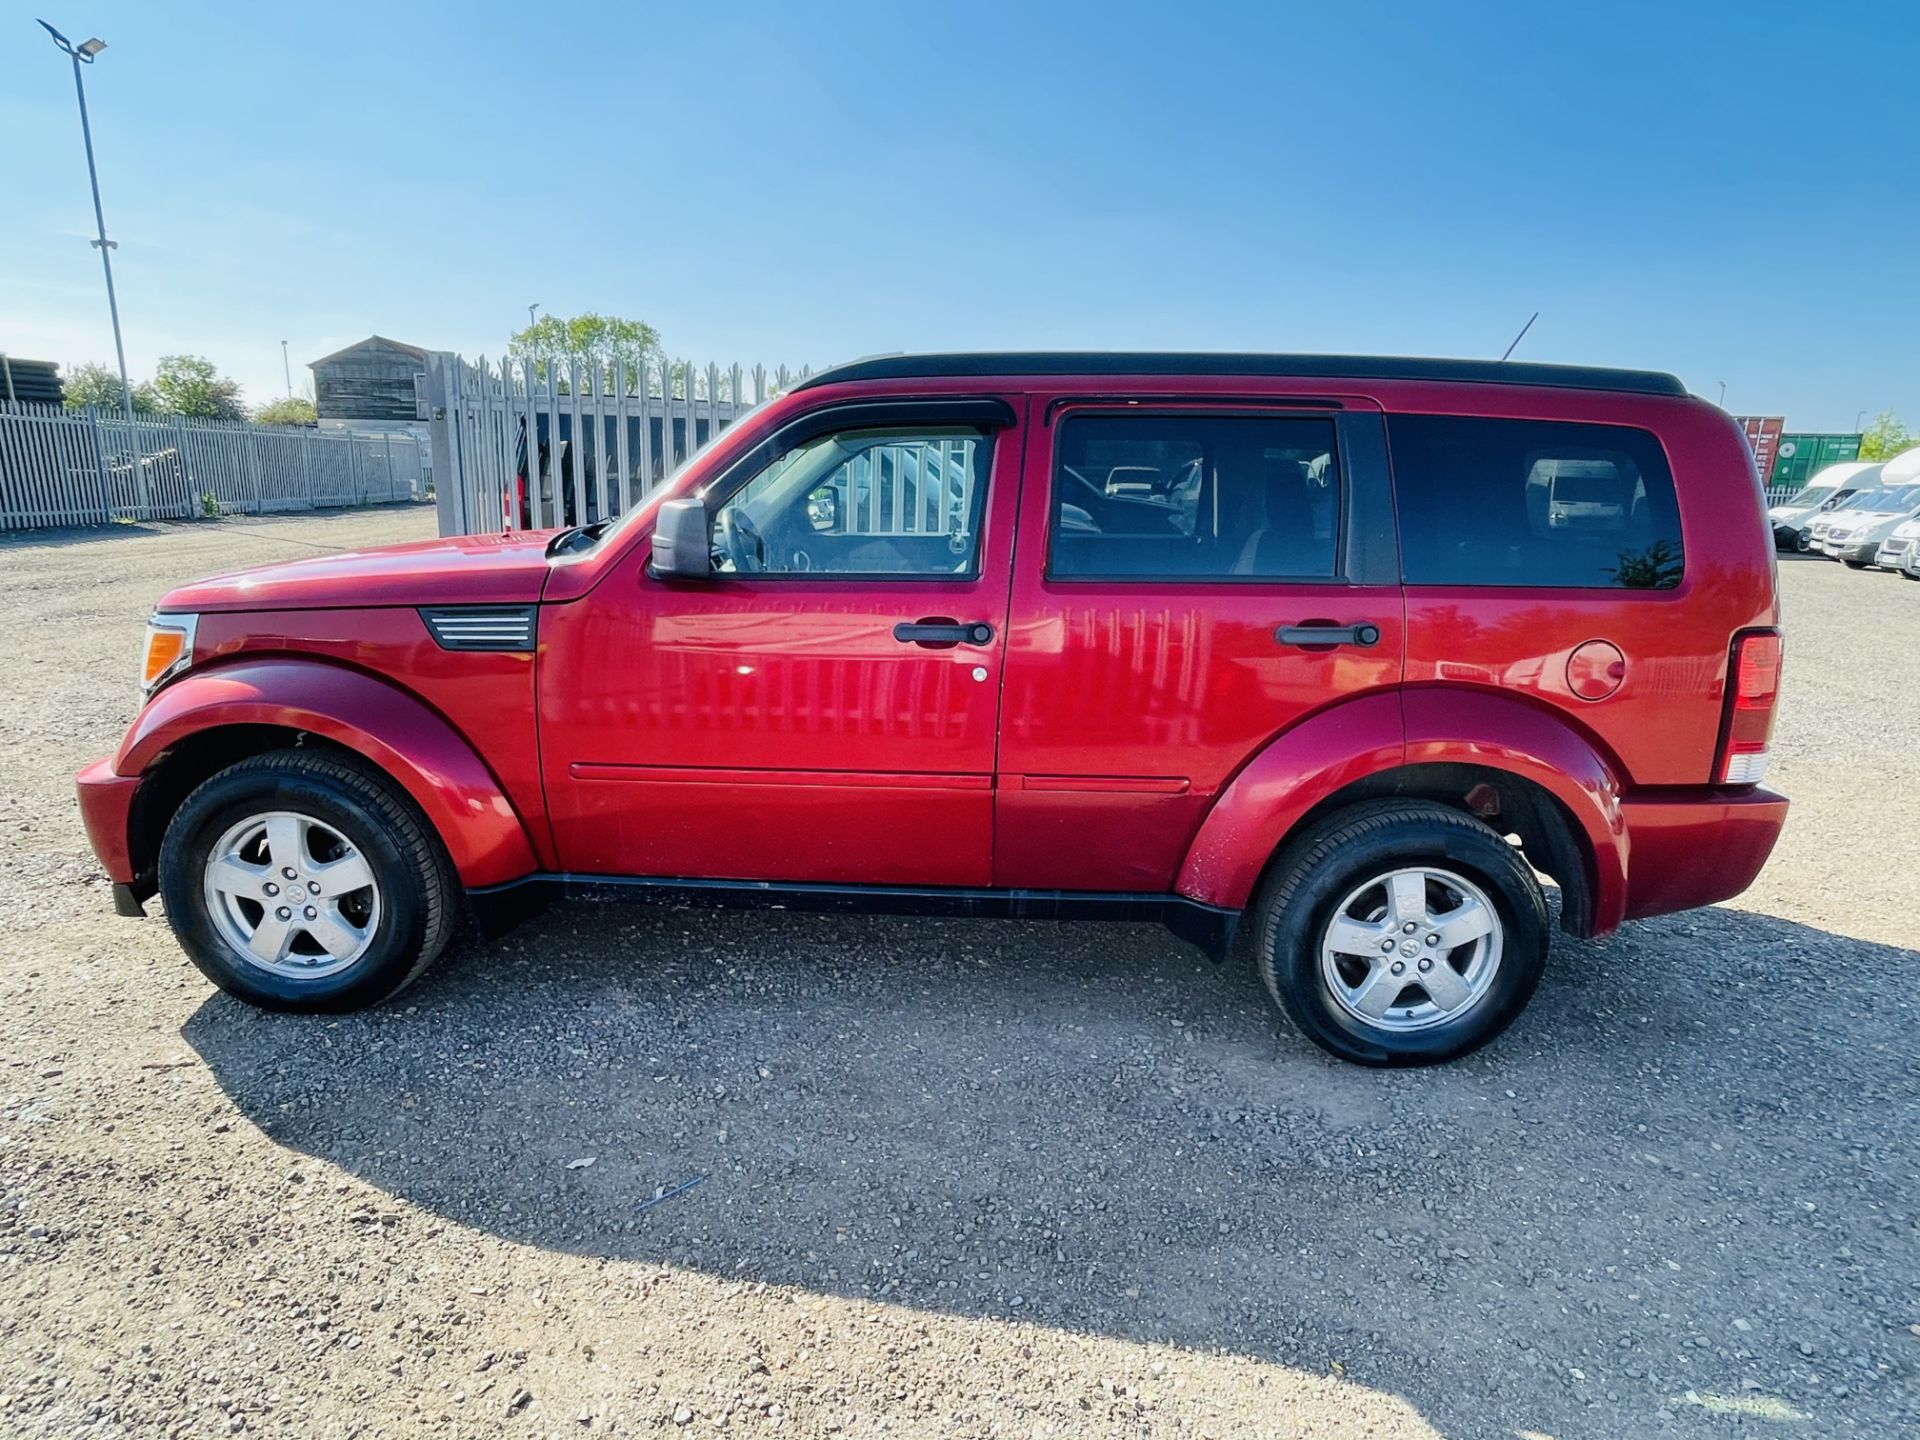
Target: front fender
x,y
398,733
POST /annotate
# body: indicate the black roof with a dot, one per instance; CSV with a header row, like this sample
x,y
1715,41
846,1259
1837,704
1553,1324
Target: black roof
x,y
1330,367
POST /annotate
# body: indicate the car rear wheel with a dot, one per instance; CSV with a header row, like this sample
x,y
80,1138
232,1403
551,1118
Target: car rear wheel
x,y
1401,933
297,881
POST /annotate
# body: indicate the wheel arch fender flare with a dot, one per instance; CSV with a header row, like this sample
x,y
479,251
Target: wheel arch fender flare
x,y
394,730
1368,738
1295,771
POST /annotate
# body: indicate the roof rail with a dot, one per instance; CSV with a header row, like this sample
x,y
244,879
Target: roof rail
x,y
1319,367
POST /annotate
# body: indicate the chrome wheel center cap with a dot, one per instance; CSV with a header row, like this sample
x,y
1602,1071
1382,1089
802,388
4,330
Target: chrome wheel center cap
x,y
1409,949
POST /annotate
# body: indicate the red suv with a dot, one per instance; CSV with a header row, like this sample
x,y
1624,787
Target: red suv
x,y
1360,646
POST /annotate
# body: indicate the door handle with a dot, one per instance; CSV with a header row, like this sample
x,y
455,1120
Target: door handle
x,y
940,633
1316,634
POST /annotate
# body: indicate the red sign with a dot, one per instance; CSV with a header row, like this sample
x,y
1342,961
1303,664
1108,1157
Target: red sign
x,y
1763,434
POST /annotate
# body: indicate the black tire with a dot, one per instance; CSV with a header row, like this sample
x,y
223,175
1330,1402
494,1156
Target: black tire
x,y
418,893
1854,564
1909,575
1319,869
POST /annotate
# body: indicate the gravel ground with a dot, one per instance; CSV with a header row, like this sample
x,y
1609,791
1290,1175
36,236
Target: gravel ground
x,y
956,1178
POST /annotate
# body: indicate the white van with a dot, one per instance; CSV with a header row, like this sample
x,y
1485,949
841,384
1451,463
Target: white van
x,y
1831,487
1853,532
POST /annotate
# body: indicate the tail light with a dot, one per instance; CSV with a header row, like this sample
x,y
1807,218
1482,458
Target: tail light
x,y
1753,688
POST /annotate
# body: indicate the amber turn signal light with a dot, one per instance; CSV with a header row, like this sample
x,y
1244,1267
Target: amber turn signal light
x,y
169,649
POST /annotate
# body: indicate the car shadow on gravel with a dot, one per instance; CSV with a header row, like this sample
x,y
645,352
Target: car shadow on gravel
x,y
1629,1200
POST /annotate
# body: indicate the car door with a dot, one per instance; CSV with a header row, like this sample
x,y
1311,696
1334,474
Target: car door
x,y
1193,579
823,707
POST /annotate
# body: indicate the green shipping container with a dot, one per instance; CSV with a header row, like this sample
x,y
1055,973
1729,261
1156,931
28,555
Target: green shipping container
x,y
1801,457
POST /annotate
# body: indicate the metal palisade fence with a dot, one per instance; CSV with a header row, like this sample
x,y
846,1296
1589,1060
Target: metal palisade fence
x,y
526,444
86,467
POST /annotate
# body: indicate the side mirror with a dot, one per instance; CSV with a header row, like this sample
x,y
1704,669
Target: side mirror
x,y
823,508
681,548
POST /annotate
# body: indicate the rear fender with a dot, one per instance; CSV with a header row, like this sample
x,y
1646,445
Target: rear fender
x,y
1295,772
394,730
1374,735
1480,727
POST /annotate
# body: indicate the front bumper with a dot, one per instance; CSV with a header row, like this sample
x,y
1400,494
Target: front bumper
x,y
106,807
1893,554
1696,848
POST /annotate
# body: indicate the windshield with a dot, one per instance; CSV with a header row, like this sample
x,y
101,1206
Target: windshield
x,y
1890,500
1865,500
1812,495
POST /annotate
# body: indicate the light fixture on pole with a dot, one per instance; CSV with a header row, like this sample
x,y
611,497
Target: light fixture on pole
x,y
1859,419
530,309
84,52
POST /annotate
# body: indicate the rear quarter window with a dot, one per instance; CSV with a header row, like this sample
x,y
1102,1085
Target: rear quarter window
x,y
1541,503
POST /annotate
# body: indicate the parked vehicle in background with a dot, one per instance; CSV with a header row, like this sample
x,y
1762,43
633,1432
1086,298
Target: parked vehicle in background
x,y
1902,469
1900,549
1350,648
1852,534
1832,487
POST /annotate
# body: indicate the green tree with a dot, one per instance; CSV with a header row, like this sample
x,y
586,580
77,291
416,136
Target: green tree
x,y
294,410
189,385
1886,438
552,341
95,387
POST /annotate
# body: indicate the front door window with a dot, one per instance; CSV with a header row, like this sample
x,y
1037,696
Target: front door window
x,y
860,502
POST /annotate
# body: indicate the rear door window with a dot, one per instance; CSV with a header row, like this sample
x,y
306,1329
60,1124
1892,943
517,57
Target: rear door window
x,y
1544,503
1201,497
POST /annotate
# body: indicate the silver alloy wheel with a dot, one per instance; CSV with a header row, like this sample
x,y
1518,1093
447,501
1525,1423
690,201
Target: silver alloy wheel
x,y
292,895
1411,948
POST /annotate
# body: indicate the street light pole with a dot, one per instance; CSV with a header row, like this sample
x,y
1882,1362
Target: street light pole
x,y
286,365
86,50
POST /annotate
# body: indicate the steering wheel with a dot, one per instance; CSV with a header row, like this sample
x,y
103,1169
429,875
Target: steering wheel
x,y
740,540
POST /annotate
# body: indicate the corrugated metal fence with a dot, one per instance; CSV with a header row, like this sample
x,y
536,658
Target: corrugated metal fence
x,y
65,467
603,436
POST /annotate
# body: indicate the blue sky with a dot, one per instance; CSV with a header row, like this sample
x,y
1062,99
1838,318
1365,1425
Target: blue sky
x,y
1730,192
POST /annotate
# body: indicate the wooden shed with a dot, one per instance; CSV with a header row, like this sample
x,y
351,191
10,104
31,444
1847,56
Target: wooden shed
x,y
372,380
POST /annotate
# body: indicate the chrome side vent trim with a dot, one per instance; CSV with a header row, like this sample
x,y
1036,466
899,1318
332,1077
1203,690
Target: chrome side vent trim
x,y
481,627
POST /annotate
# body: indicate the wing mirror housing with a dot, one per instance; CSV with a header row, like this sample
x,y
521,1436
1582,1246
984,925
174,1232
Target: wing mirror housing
x,y
681,547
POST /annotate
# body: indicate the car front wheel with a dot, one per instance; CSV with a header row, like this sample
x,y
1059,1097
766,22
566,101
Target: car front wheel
x,y
1401,933
297,881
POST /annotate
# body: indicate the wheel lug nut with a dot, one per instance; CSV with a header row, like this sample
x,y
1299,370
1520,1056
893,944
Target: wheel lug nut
x,y
1424,964
289,872
284,913
271,888
313,888
312,914
1433,939
1386,946
1399,967
1409,927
